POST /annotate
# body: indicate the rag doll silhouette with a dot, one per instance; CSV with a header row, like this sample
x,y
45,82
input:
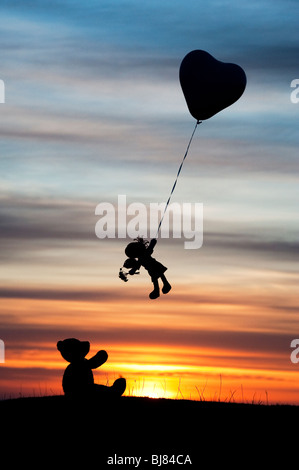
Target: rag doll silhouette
x,y
139,254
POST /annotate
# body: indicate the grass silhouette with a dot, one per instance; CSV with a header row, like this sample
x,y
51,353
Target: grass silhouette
x,y
214,433
139,388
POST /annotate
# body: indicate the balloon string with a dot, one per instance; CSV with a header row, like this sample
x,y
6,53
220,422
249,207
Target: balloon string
x,y
177,176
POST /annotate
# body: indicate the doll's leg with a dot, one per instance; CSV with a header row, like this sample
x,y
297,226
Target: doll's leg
x,y
166,286
156,292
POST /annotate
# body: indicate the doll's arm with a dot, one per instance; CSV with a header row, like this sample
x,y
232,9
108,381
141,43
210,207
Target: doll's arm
x,y
133,264
98,359
151,246
136,268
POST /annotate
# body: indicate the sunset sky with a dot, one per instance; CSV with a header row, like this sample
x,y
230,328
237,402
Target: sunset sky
x,y
93,110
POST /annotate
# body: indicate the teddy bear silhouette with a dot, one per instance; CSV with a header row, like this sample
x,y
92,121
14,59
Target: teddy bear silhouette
x,y
78,380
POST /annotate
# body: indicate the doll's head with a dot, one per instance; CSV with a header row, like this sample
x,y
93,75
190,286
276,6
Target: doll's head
x,y
136,248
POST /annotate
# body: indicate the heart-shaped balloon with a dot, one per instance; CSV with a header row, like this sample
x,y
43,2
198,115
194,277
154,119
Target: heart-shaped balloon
x,y
210,85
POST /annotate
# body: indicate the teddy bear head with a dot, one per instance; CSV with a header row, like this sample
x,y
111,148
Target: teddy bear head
x,y
72,349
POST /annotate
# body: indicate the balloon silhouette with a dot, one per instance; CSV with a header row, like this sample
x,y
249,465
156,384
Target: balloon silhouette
x,y
209,85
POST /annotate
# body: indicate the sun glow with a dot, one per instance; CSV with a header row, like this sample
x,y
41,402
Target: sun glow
x,y
215,350
147,368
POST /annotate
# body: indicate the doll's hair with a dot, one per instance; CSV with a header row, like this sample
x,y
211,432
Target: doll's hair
x,y
141,240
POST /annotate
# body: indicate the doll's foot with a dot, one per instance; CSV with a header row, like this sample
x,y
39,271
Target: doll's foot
x,y
154,294
166,288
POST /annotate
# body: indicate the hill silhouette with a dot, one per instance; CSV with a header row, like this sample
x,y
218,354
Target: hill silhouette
x,y
56,432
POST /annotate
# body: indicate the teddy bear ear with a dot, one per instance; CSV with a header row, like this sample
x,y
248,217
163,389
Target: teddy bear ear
x,y
85,346
59,344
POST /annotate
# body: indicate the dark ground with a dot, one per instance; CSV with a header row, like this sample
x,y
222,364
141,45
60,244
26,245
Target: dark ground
x,y
52,432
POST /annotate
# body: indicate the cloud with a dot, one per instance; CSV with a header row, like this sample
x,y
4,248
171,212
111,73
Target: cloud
x,y
262,245
38,219
97,39
68,220
33,337
76,295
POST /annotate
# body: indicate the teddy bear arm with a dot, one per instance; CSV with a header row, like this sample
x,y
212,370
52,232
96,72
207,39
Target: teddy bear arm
x,y
98,359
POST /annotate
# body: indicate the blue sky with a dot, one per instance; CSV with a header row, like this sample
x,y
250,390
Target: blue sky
x,y
94,109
